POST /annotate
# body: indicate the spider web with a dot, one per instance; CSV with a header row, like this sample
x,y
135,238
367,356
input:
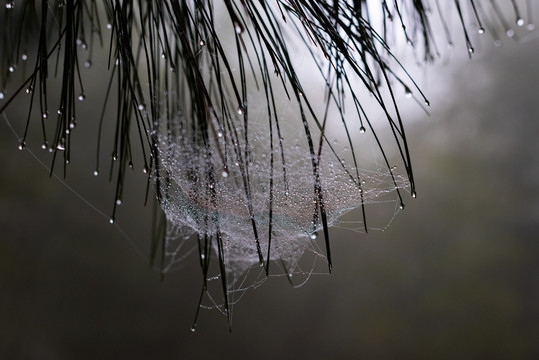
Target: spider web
x,y
280,190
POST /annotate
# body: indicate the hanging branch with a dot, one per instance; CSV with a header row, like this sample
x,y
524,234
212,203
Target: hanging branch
x,y
163,47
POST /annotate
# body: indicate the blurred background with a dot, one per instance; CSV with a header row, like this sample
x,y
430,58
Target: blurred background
x,y
455,276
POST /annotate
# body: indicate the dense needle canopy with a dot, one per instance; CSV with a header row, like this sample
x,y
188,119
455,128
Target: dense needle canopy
x,y
186,76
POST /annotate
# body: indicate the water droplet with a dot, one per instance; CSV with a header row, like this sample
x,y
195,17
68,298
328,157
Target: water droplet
x,y
12,68
45,115
22,145
220,134
45,146
84,45
72,124
141,107
427,103
24,56
407,92
130,164
163,56
61,146
414,195
145,169
10,5
202,43
2,95
510,33
471,50
402,206
530,27
109,26
194,328
362,129
481,30
29,89
111,220
225,173
313,236
87,64
520,21
114,156
239,28
240,110
82,96
118,202
96,172
59,111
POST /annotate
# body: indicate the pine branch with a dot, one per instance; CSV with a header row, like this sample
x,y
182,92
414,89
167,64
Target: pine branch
x,y
187,69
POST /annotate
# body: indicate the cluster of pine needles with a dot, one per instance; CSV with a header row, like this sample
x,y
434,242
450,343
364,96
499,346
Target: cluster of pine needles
x,y
165,47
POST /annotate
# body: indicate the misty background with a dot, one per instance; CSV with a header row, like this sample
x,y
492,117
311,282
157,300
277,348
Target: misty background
x,y
456,275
